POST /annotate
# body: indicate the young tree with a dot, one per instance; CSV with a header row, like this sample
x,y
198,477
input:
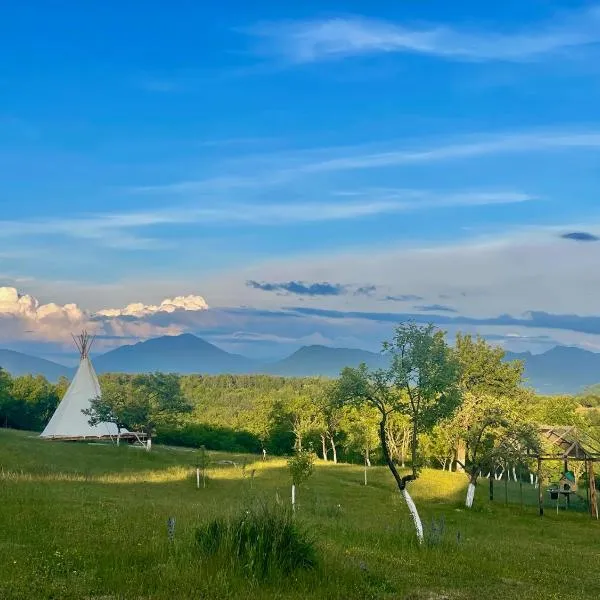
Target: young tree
x,y
420,383
330,416
361,427
304,413
301,467
426,372
495,431
439,444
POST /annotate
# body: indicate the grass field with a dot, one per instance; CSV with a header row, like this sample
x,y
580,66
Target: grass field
x,y
90,521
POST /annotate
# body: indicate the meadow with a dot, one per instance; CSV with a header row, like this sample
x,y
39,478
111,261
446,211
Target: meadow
x,y
89,521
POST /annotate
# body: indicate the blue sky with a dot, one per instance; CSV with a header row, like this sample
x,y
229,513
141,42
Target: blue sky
x,y
434,150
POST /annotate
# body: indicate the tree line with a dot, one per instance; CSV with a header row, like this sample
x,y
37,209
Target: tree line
x,y
448,407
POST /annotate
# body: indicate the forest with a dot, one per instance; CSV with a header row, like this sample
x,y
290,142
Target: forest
x,y
484,407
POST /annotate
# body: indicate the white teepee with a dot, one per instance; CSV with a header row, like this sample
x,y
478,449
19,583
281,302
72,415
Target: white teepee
x,y
68,420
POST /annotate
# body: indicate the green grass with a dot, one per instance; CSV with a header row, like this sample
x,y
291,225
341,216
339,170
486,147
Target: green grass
x,y
90,521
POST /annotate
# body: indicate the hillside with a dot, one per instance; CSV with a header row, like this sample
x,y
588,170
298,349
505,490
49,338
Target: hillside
x,y
17,363
89,521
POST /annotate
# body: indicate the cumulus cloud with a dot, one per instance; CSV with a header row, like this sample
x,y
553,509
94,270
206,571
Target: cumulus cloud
x,y
169,305
23,317
22,314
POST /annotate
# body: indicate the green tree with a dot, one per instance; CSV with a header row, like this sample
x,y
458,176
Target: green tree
x,y
483,372
6,401
360,425
425,374
34,401
496,431
483,369
140,403
421,383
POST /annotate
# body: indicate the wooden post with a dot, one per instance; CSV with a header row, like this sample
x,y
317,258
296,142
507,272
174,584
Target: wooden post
x,y
540,488
521,486
592,484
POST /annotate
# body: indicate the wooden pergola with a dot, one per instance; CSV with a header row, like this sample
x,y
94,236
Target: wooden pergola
x,y
566,443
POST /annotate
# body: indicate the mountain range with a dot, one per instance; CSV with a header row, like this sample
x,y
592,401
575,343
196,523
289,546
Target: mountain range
x,y
560,370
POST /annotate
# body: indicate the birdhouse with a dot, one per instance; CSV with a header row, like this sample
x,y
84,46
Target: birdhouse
x,y
567,483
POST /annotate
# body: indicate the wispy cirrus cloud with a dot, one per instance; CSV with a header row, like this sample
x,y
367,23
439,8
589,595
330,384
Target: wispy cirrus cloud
x,y
277,170
308,41
121,230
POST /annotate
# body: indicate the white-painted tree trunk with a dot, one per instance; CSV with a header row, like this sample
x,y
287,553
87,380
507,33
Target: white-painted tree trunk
x,y
365,474
198,478
470,495
148,444
531,478
515,474
293,496
414,514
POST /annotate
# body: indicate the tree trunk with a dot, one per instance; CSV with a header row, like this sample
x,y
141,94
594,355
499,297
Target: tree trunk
x,y
367,457
400,481
334,450
471,490
324,447
461,456
413,448
414,514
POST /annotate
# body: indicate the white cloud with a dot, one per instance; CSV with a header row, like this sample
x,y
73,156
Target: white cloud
x,y
322,39
23,317
276,170
169,305
118,230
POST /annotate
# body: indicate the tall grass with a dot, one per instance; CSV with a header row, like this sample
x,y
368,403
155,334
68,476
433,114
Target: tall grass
x,y
263,541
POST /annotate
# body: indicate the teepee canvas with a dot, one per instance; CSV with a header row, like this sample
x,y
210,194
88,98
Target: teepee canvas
x,y
68,420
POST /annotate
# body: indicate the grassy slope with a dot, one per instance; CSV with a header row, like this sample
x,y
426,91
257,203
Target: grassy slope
x,y
85,521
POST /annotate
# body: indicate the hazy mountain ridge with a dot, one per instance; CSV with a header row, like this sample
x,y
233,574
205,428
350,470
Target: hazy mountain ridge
x,y
18,363
323,360
560,370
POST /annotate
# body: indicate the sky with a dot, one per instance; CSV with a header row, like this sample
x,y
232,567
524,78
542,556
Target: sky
x,y
269,175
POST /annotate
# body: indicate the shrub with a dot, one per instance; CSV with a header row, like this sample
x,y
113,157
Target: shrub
x,y
261,542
